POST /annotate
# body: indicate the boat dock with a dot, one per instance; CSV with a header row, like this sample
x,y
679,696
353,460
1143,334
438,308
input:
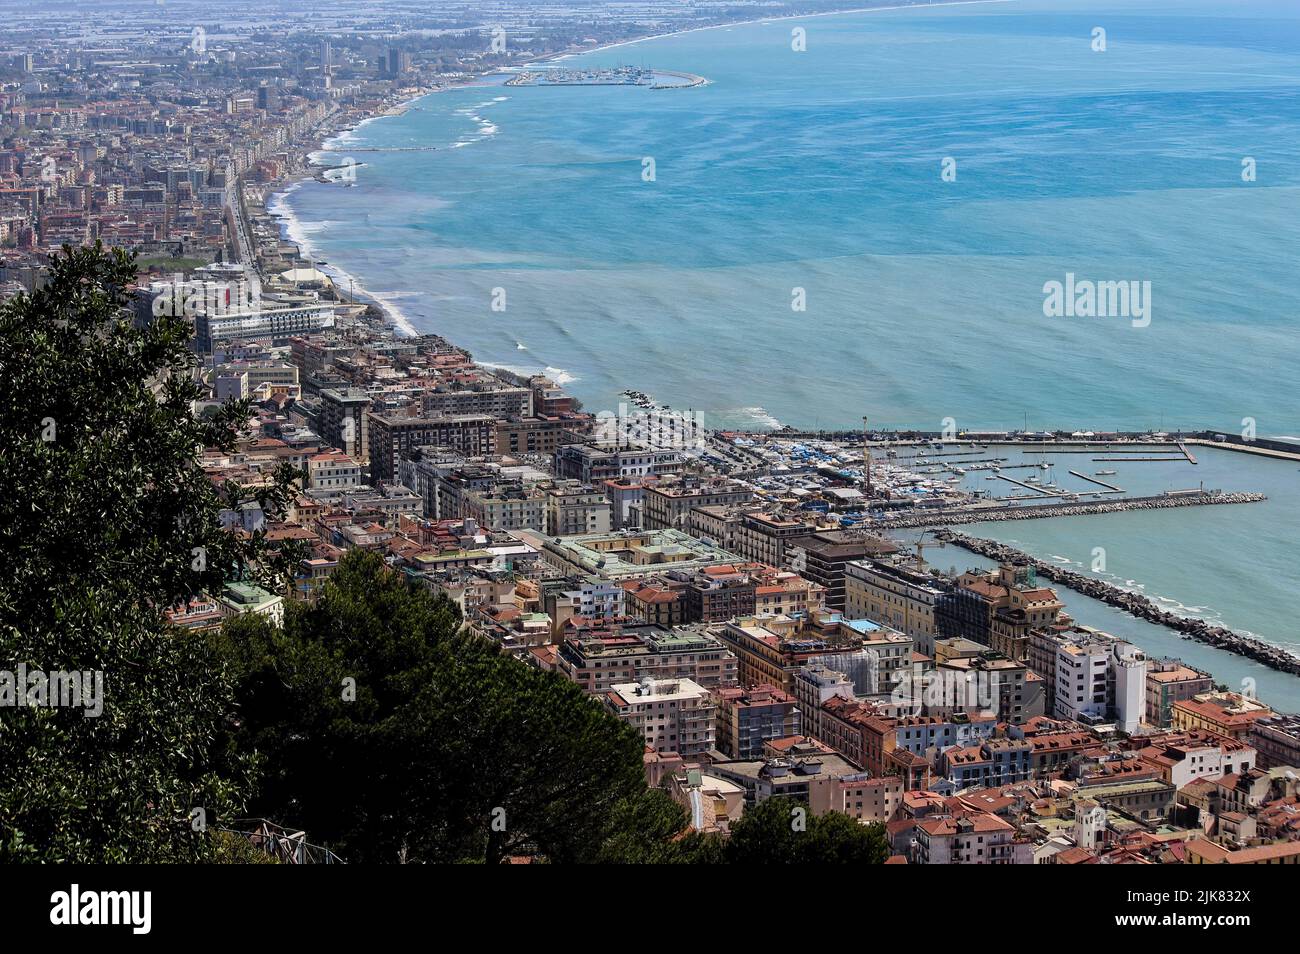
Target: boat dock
x,y
1046,509
1020,483
1139,460
1094,480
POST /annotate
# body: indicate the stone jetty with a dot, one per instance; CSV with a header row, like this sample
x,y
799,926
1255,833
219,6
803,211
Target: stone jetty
x,y
1132,603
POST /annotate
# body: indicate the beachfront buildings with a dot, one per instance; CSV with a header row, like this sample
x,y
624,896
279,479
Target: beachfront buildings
x,y
1277,739
1225,713
1089,676
1170,681
1097,678
999,608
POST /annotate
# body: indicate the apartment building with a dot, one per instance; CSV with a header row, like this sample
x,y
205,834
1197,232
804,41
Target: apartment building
x,y
341,421
762,536
748,718
597,661
1223,713
824,557
494,400
1097,679
593,464
334,472
657,599
1170,681
392,437
863,797
1277,739
671,715
719,593
504,505
573,510
540,435
978,838
669,503
1183,757
893,594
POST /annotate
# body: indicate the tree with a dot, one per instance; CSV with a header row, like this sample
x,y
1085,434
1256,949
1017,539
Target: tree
x,y
783,831
389,734
107,519
652,829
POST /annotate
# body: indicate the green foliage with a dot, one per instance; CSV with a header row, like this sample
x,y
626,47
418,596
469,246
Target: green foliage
x,y
449,751
103,506
783,831
652,829
99,448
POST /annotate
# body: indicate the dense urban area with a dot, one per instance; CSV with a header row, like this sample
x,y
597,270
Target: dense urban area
x,y
758,607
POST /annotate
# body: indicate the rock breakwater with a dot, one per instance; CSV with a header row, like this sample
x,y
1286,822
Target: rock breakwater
x,y
1132,603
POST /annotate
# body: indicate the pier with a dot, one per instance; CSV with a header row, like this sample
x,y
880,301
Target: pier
x,y
1020,483
1094,480
941,518
1134,604
1139,460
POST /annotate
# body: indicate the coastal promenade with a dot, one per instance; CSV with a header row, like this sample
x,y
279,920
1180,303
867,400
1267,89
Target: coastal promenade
x,y
1138,606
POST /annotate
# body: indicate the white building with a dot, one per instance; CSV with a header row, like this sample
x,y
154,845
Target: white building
x,y
1128,669
1101,678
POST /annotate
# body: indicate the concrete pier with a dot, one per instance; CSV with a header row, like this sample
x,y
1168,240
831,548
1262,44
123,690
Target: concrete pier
x,y
1096,481
1191,498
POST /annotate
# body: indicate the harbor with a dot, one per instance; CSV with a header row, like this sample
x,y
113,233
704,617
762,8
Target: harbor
x,y
553,76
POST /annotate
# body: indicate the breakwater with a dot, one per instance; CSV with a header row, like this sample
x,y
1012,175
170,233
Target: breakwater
x,y
1038,511
1132,603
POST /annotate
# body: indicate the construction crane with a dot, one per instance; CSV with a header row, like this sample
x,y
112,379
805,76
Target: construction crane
x,y
920,546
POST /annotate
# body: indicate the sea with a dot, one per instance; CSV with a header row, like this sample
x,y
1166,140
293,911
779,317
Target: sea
x,y
867,214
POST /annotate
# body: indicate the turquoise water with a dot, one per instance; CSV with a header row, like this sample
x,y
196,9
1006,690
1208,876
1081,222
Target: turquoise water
x,y
821,170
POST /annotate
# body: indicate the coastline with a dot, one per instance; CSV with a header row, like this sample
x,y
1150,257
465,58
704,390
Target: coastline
x,y
279,195
781,19
278,192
